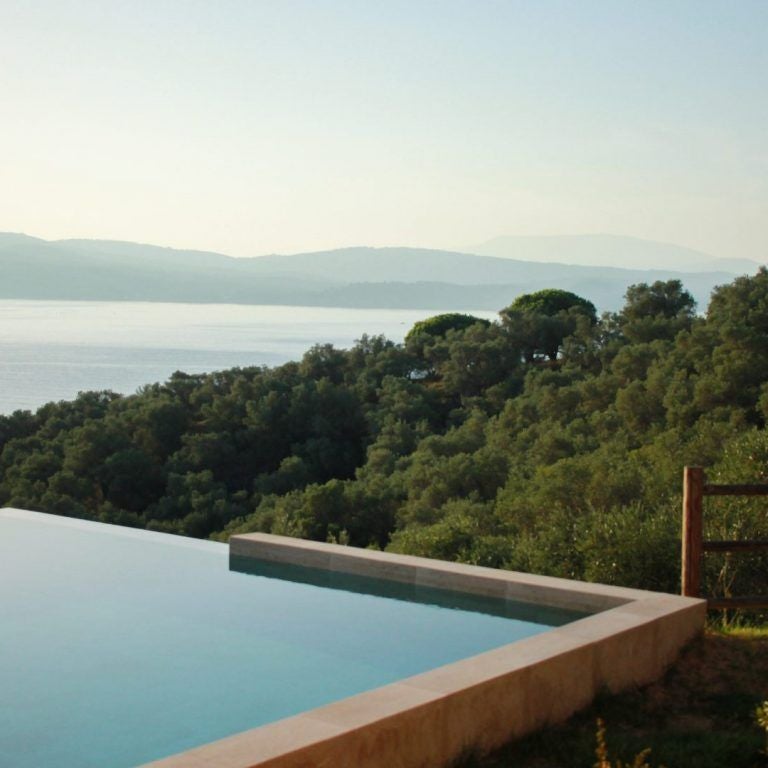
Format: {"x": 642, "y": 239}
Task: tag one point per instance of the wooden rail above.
{"x": 694, "y": 545}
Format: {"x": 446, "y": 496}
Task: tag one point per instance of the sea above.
{"x": 51, "y": 350}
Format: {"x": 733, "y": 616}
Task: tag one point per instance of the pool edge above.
{"x": 482, "y": 701}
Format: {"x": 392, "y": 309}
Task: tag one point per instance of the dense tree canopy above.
{"x": 540, "y": 322}
{"x": 552, "y": 301}
{"x": 549, "y": 441}
{"x": 439, "y": 325}
{"x": 659, "y": 310}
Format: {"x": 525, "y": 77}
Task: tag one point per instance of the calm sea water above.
{"x": 120, "y": 646}
{"x": 51, "y": 350}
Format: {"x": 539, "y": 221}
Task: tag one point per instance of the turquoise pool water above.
{"x": 118, "y": 646}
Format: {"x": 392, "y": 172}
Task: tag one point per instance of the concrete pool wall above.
{"x": 480, "y": 702}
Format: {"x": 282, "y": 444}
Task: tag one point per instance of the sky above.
{"x": 251, "y": 127}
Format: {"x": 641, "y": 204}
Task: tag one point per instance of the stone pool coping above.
{"x": 479, "y": 702}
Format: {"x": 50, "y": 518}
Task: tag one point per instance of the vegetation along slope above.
{"x": 550, "y": 440}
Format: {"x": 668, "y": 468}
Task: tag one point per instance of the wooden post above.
{"x": 693, "y": 530}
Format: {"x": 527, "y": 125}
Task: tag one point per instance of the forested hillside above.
{"x": 549, "y": 441}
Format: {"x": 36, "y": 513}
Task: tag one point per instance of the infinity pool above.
{"x": 119, "y": 646}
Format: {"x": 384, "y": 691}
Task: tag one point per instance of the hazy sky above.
{"x": 250, "y": 127}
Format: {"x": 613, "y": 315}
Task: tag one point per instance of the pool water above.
{"x": 120, "y": 646}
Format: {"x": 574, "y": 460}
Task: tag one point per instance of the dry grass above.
{"x": 700, "y": 715}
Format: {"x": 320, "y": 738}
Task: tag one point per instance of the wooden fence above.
{"x": 694, "y": 545}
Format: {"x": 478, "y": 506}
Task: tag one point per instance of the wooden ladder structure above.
{"x": 694, "y": 545}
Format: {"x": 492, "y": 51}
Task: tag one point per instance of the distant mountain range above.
{"x": 609, "y": 251}
{"x": 106, "y": 270}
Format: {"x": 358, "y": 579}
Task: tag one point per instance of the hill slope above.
{"x": 348, "y": 277}
{"x": 609, "y": 251}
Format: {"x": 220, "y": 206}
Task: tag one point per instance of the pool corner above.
{"x": 630, "y": 639}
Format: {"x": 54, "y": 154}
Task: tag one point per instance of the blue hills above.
{"x": 359, "y": 277}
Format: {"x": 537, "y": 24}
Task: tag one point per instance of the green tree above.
{"x": 439, "y": 325}
{"x": 426, "y": 332}
{"x": 736, "y": 336}
{"x": 657, "y": 311}
{"x": 538, "y": 323}
{"x": 551, "y": 302}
